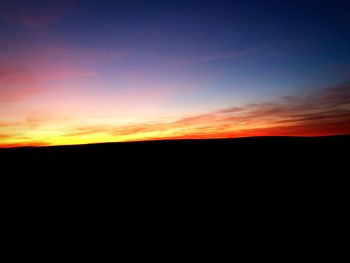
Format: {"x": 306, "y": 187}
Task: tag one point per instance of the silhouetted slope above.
{"x": 229, "y": 153}
{"x": 283, "y": 177}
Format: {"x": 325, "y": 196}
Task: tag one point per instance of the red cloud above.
{"x": 11, "y": 95}
{"x": 33, "y": 15}
{"x": 322, "y": 113}
{"x": 326, "y": 112}
{"x": 213, "y": 57}
{"x": 23, "y": 144}
{"x": 17, "y": 76}
{"x": 51, "y": 63}
{"x": 37, "y": 22}
{"x": 4, "y": 72}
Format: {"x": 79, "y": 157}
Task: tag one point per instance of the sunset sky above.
{"x": 86, "y": 71}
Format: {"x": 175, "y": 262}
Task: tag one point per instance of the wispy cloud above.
{"x": 18, "y": 76}
{"x": 32, "y": 71}
{"x": 23, "y": 144}
{"x": 15, "y": 95}
{"x": 37, "y": 22}
{"x": 37, "y": 16}
{"x": 213, "y": 57}
{"x": 18, "y": 84}
{"x": 322, "y": 112}
{"x": 4, "y": 72}
{"x": 53, "y": 62}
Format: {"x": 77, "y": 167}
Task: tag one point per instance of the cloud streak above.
{"x": 324, "y": 112}
{"x": 15, "y": 95}
{"x": 213, "y": 57}
{"x": 13, "y": 76}
{"x": 35, "y": 16}
{"x": 320, "y": 113}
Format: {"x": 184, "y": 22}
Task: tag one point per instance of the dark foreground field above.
{"x": 276, "y": 178}
{"x": 264, "y": 153}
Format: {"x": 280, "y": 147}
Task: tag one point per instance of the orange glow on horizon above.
{"x": 139, "y": 132}
{"x": 322, "y": 113}
{"x": 83, "y": 72}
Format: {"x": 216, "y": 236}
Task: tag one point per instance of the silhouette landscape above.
{"x": 207, "y": 83}
{"x": 168, "y": 154}
{"x": 190, "y": 117}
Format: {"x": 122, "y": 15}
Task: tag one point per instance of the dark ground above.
{"x": 218, "y": 155}
{"x": 247, "y": 168}
{"x": 292, "y": 186}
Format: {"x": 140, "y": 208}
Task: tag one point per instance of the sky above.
{"x": 88, "y": 71}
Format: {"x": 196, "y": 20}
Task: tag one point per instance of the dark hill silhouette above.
{"x": 280, "y": 177}
{"x": 229, "y": 153}
{"x": 284, "y": 166}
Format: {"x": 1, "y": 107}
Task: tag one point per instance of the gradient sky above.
{"x": 85, "y": 71}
